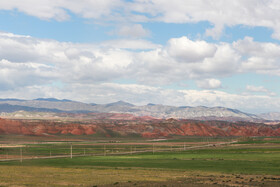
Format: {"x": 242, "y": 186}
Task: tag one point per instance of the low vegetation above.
{"x": 236, "y": 164}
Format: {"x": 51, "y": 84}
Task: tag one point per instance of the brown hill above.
{"x": 153, "y": 128}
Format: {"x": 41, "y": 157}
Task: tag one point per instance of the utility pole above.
{"x": 71, "y": 156}
{"x": 20, "y": 154}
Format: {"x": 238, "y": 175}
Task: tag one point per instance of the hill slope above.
{"x": 136, "y": 127}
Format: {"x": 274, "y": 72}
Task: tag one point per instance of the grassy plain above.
{"x": 249, "y": 162}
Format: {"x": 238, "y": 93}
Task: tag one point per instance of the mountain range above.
{"x": 10, "y": 107}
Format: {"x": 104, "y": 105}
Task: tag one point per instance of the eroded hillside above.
{"x": 146, "y": 127}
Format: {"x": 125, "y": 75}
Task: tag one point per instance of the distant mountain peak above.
{"x": 12, "y": 99}
{"x": 120, "y": 103}
{"x": 201, "y": 106}
{"x": 270, "y": 116}
{"x": 52, "y": 100}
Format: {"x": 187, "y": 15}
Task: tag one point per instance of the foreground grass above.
{"x": 211, "y": 165}
{"x": 53, "y": 176}
{"x": 224, "y": 160}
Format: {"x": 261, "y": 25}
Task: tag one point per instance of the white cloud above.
{"x": 72, "y": 62}
{"x": 114, "y": 59}
{"x": 50, "y": 9}
{"x": 259, "y": 89}
{"x": 14, "y": 75}
{"x": 165, "y": 65}
{"x": 225, "y": 62}
{"x": 220, "y": 13}
{"x": 248, "y": 46}
{"x": 186, "y": 50}
{"x": 141, "y": 60}
{"x": 252, "y": 88}
{"x": 86, "y": 72}
{"x": 215, "y": 32}
{"x": 209, "y": 83}
{"x": 250, "y": 102}
{"x": 130, "y": 44}
{"x": 260, "y": 57}
{"x": 45, "y": 9}
{"x": 133, "y": 31}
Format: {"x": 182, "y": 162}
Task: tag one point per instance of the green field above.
{"x": 250, "y": 162}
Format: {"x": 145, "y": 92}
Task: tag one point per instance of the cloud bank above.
{"x": 219, "y": 13}
{"x": 97, "y": 72}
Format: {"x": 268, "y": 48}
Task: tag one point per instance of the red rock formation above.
{"x": 149, "y": 135}
{"x": 89, "y": 130}
{"x": 145, "y": 128}
{"x": 26, "y": 131}
{"x": 77, "y": 131}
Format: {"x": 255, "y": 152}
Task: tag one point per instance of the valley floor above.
{"x": 244, "y": 163}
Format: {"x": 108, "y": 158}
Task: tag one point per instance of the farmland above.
{"x": 197, "y": 161}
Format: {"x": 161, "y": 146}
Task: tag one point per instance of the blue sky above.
{"x": 211, "y": 53}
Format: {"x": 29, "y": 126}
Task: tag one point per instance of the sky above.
{"x": 180, "y": 53}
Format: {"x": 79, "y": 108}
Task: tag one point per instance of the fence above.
{"x": 74, "y": 149}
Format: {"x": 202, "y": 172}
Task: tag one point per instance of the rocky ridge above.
{"x": 153, "y": 110}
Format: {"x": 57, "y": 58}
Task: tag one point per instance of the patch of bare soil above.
{"x": 234, "y": 180}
